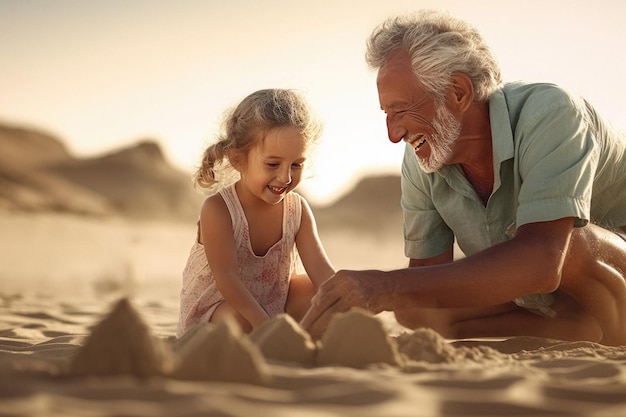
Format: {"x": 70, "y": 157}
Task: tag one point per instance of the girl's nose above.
{"x": 285, "y": 176}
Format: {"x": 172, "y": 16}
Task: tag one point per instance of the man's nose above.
{"x": 395, "y": 131}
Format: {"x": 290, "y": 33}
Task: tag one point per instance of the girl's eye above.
{"x": 272, "y": 165}
{"x": 300, "y": 165}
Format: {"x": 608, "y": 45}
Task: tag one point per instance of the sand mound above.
{"x": 220, "y": 353}
{"x": 426, "y": 345}
{"x": 121, "y": 344}
{"x": 283, "y": 339}
{"x": 357, "y": 339}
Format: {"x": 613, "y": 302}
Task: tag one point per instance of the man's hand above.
{"x": 346, "y": 289}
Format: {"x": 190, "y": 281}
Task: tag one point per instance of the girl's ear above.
{"x": 236, "y": 159}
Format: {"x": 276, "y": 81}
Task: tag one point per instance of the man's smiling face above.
{"x": 414, "y": 115}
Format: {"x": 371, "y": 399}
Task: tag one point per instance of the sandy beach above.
{"x": 88, "y": 312}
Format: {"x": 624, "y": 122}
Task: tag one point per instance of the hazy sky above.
{"x": 102, "y": 74}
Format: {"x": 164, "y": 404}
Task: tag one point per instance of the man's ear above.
{"x": 461, "y": 91}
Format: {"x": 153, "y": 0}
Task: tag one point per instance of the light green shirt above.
{"x": 553, "y": 157}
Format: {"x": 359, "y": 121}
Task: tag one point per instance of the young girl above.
{"x": 251, "y": 232}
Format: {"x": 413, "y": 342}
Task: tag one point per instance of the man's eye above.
{"x": 394, "y": 114}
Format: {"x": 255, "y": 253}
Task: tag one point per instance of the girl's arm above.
{"x": 312, "y": 253}
{"x": 216, "y": 234}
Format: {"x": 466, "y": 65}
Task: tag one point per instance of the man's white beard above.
{"x": 447, "y": 131}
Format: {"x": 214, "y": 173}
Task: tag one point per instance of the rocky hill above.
{"x": 373, "y": 204}
{"x": 38, "y": 174}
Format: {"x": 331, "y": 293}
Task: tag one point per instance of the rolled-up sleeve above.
{"x": 557, "y": 162}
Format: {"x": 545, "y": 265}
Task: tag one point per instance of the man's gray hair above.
{"x": 439, "y": 45}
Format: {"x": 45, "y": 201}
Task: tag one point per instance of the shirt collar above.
{"x": 501, "y": 133}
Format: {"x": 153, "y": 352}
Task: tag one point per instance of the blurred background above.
{"x": 106, "y": 107}
{"x": 103, "y": 74}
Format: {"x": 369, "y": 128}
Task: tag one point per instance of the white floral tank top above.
{"x": 266, "y": 277}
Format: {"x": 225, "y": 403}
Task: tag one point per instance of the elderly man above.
{"x": 528, "y": 178}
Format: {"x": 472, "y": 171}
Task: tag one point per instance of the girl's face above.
{"x": 274, "y": 167}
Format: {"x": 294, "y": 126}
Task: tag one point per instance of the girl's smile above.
{"x": 277, "y": 190}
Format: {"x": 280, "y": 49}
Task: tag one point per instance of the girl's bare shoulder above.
{"x": 214, "y": 206}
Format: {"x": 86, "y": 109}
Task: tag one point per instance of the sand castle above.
{"x": 283, "y": 340}
{"x": 122, "y": 344}
{"x": 220, "y": 353}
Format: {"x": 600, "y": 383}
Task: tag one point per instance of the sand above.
{"x": 74, "y": 342}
